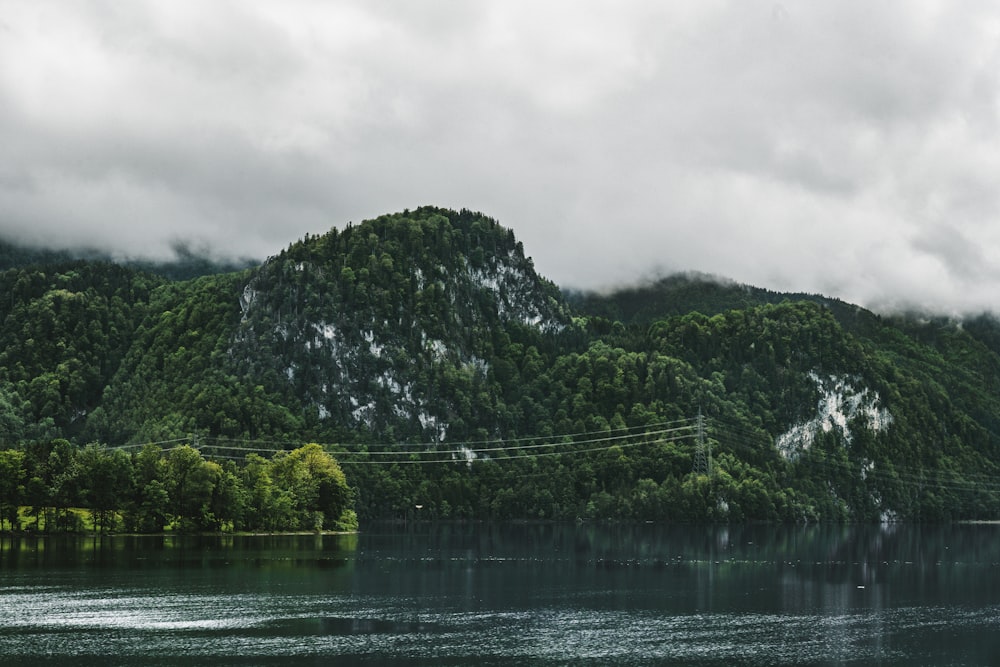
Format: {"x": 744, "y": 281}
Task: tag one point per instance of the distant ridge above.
{"x": 187, "y": 263}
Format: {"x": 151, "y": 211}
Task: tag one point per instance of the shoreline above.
{"x": 28, "y": 533}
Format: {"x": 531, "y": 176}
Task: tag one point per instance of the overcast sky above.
{"x": 846, "y": 148}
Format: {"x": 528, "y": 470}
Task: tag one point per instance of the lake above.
{"x": 453, "y": 594}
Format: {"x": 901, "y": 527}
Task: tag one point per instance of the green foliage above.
{"x": 12, "y": 476}
{"x": 63, "y": 333}
{"x": 153, "y": 490}
{"x": 463, "y": 385}
{"x": 317, "y": 490}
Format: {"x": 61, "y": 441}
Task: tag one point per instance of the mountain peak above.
{"x": 365, "y": 321}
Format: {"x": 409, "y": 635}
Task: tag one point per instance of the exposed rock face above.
{"x": 841, "y": 404}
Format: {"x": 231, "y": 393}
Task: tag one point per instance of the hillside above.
{"x": 443, "y": 372}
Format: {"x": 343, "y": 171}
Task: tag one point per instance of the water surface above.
{"x": 509, "y": 595}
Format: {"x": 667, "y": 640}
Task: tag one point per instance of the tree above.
{"x": 228, "y": 503}
{"x": 190, "y": 483}
{"x": 105, "y": 481}
{"x": 146, "y": 507}
{"x": 11, "y": 487}
{"x": 64, "y": 485}
{"x": 260, "y": 511}
{"x": 151, "y": 516}
{"x": 316, "y": 485}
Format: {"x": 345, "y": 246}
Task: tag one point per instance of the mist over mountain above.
{"x": 185, "y": 262}
{"x": 430, "y": 358}
{"x": 839, "y": 148}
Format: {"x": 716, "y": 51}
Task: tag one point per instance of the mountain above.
{"x": 395, "y": 324}
{"x": 443, "y": 372}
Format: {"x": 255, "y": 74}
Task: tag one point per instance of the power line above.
{"x": 518, "y": 453}
{"x": 888, "y": 474}
{"x": 472, "y": 444}
{"x": 140, "y": 445}
{"x": 460, "y": 447}
{"x": 501, "y": 452}
{"x": 702, "y": 431}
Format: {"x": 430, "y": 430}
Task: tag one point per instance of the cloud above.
{"x": 844, "y": 148}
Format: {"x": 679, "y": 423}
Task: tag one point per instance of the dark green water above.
{"x": 509, "y": 595}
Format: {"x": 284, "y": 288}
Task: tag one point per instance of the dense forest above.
{"x": 446, "y": 379}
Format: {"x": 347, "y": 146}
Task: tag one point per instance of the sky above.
{"x": 848, "y": 148}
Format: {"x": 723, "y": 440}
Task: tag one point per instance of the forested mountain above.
{"x": 450, "y": 380}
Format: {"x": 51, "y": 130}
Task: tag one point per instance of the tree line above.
{"x": 42, "y": 487}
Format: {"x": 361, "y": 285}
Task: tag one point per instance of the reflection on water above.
{"x": 531, "y": 594}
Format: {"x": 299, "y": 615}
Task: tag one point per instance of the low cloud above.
{"x": 844, "y": 148}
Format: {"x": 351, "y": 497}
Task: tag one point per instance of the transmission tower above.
{"x": 703, "y": 450}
